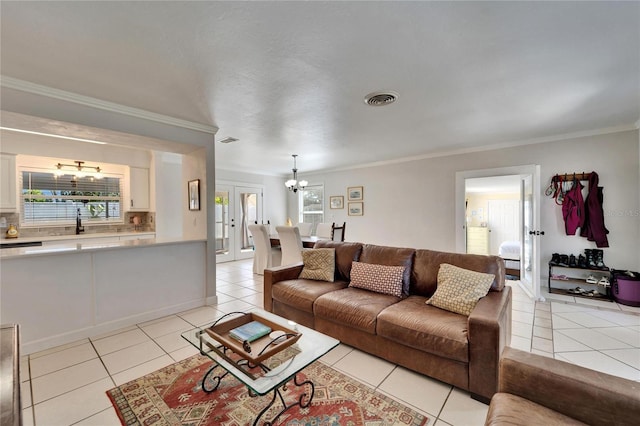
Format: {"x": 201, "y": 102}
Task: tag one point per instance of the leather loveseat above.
{"x": 456, "y": 349}
{"x": 536, "y": 390}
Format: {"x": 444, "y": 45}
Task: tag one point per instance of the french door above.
{"x": 236, "y": 207}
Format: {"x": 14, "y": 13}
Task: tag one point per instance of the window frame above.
{"x": 301, "y": 211}
{"x": 100, "y": 221}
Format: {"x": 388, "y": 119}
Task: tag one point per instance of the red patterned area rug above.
{"x": 173, "y": 396}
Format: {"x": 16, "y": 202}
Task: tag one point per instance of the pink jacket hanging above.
{"x": 573, "y": 209}
{"x": 594, "y": 228}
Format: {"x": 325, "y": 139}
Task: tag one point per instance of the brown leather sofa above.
{"x": 459, "y": 350}
{"x": 536, "y": 390}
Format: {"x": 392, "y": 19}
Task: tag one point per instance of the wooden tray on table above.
{"x": 262, "y": 348}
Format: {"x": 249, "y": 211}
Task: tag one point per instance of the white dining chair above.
{"x": 264, "y": 255}
{"x": 290, "y": 243}
{"x": 324, "y": 231}
{"x": 305, "y": 229}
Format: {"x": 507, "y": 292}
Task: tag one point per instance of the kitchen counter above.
{"x": 83, "y": 236}
{"x": 83, "y": 246}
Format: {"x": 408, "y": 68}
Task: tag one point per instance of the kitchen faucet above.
{"x": 79, "y": 227}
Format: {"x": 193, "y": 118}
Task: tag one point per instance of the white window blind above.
{"x": 47, "y": 199}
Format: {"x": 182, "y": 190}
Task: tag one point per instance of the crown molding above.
{"x": 533, "y": 141}
{"x": 38, "y": 89}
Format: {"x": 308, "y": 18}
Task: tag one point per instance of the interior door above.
{"x": 530, "y": 250}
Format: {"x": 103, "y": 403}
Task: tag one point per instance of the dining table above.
{"x": 307, "y": 242}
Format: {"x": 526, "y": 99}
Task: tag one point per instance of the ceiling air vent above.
{"x": 380, "y": 98}
{"x": 228, "y": 140}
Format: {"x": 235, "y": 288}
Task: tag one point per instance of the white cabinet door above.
{"x": 139, "y": 189}
{"x": 8, "y": 199}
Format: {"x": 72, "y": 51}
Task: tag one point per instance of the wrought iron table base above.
{"x": 303, "y": 402}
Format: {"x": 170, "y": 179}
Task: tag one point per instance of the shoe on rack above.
{"x": 604, "y": 281}
{"x": 564, "y": 260}
{"x": 559, "y": 277}
{"x": 577, "y": 290}
{"x": 592, "y": 293}
{"x": 572, "y": 261}
{"x": 582, "y": 261}
{"x": 592, "y": 280}
{"x": 555, "y": 259}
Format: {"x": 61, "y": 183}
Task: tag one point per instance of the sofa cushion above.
{"x": 353, "y": 307}
{"x": 390, "y": 256}
{"x": 379, "y": 278}
{"x": 346, "y": 253}
{"x": 424, "y": 277}
{"x": 319, "y": 264}
{"x": 460, "y": 289}
{"x": 302, "y": 293}
{"x": 508, "y": 409}
{"x": 413, "y": 323}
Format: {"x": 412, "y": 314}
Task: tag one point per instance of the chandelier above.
{"x": 78, "y": 170}
{"x": 294, "y": 184}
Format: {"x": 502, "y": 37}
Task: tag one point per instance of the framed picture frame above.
{"x": 355, "y": 193}
{"x": 336, "y": 202}
{"x": 356, "y": 209}
{"x": 194, "y": 194}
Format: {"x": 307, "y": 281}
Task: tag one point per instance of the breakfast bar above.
{"x": 63, "y": 292}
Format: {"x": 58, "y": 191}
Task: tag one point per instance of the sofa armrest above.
{"x": 586, "y": 395}
{"x": 274, "y": 275}
{"x": 489, "y": 332}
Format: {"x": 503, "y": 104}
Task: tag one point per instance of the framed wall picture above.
{"x": 356, "y": 209}
{"x": 355, "y": 193}
{"x": 194, "y": 194}
{"x": 336, "y": 202}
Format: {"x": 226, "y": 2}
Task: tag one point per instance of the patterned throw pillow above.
{"x": 379, "y": 278}
{"x": 319, "y": 264}
{"x": 460, "y": 289}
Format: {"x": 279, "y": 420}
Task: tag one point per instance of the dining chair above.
{"x": 305, "y": 229}
{"x": 264, "y": 255}
{"x": 290, "y": 243}
{"x": 338, "y": 232}
{"x": 324, "y": 231}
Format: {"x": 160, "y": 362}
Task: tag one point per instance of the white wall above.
{"x": 412, "y": 204}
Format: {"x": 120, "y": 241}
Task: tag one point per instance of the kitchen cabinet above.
{"x": 8, "y": 196}
{"x": 138, "y": 189}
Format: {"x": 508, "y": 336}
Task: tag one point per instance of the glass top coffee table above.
{"x": 310, "y": 346}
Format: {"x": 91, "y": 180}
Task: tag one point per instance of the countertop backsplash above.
{"x": 147, "y": 223}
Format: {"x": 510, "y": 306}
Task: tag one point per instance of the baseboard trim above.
{"x": 105, "y": 328}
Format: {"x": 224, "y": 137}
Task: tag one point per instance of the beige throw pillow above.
{"x": 460, "y": 289}
{"x": 379, "y": 278}
{"x": 319, "y": 264}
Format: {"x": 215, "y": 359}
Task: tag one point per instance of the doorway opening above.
{"x": 497, "y": 214}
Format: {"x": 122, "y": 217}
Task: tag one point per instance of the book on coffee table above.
{"x": 250, "y": 331}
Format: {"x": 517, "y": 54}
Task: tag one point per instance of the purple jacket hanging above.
{"x": 573, "y": 209}
{"x": 594, "y": 228}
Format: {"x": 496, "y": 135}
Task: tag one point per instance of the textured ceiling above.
{"x": 290, "y": 77}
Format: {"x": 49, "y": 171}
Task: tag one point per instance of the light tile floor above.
{"x": 66, "y": 385}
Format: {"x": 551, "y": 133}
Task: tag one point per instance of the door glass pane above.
{"x": 222, "y": 222}
{"x": 248, "y": 215}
